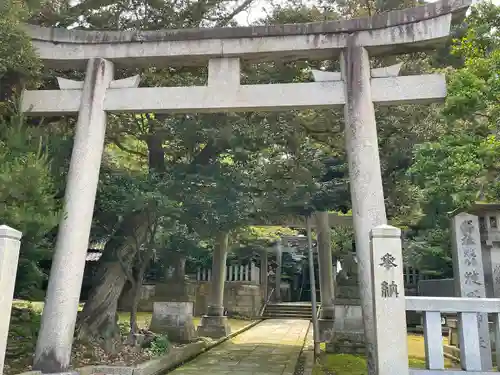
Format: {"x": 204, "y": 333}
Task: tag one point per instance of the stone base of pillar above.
{"x": 326, "y": 330}
{"x": 347, "y": 343}
{"x": 214, "y": 327}
{"x": 327, "y": 312}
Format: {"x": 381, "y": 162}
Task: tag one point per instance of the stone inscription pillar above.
{"x": 469, "y": 275}
{"x": 367, "y": 195}
{"x": 325, "y": 266}
{"x": 215, "y": 324}
{"x": 53, "y": 349}
{"x": 9, "y": 257}
{"x": 389, "y": 303}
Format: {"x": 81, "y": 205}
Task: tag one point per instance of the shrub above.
{"x": 160, "y": 345}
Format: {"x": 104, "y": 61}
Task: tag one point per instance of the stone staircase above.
{"x": 288, "y": 310}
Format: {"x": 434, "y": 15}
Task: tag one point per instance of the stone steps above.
{"x": 288, "y": 310}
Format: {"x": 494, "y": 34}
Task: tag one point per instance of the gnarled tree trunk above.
{"x": 98, "y": 318}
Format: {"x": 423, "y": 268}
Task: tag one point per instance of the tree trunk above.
{"x": 137, "y": 294}
{"x": 133, "y": 311}
{"x": 98, "y": 318}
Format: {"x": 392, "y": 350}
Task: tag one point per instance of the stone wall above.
{"x": 240, "y": 298}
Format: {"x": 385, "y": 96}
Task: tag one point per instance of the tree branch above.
{"x": 120, "y": 145}
{"x": 234, "y": 13}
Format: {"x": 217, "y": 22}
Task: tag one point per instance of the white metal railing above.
{"x": 247, "y": 273}
{"x": 467, "y": 310}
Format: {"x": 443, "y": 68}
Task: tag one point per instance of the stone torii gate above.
{"x": 222, "y": 49}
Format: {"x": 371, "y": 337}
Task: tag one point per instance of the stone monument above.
{"x": 469, "y": 275}
{"x": 489, "y": 222}
{"x": 347, "y": 279}
{"x": 349, "y": 335}
{"x": 176, "y": 286}
{"x": 175, "y": 319}
{"x": 356, "y": 89}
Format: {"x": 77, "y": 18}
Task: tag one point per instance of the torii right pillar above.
{"x": 361, "y": 84}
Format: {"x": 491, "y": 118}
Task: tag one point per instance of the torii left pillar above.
{"x": 215, "y": 324}
{"x": 326, "y": 279}
{"x": 53, "y": 348}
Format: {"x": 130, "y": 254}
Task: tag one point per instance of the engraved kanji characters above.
{"x": 467, "y": 229}
{"x": 470, "y": 257}
{"x": 472, "y": 277}
{"x": 388, "y": 261}
{"x": 473, "y": 294}
{"x": 389, "y": 290}
{"x": 496, "y": 274}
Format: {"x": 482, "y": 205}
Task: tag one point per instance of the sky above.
{"x": 259, "y": 7}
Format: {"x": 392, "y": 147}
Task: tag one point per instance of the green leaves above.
{"x": 27, "y": 197}
{"x": 18, "y": 61}
{"x": 474, "y": 90}
{"x": 461, "y": 166}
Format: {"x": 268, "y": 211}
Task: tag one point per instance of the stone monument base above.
{"x": 349, "y": 334}
{"x": 347, "y": 342}
{"x": 182, "y": 334}
{"x": 175, "y": 319}
{"x": 214, "y": 327}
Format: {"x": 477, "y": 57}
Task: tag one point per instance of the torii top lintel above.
{"x": 398, "y": 31}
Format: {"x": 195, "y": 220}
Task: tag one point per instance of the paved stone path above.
{"x": 272, "y": 347}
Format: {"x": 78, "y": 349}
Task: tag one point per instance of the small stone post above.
{"x": 389, "y": 305}
{"x": 9, "y": 257}
{"x": 279, "y": 257}
{"x": 367, "y": 194}
{"x": 53, "y": 348}
{"x": 469, "y": 275}
{"x": 263, "y": 274}
{"x": 215, "y": 324}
